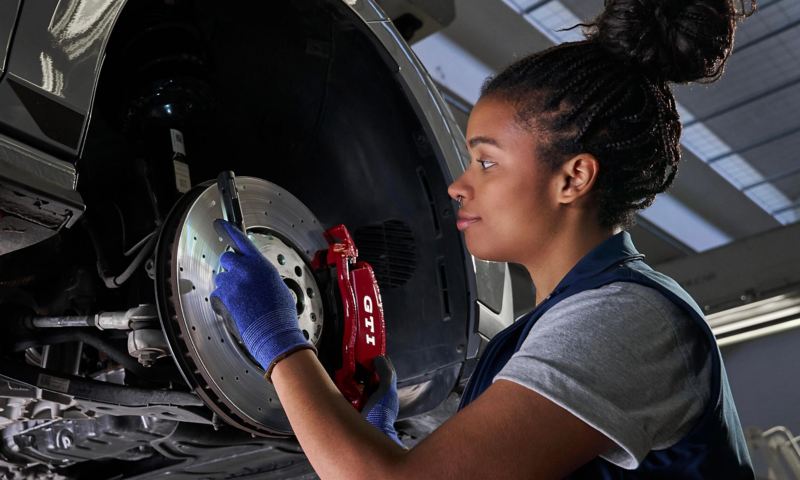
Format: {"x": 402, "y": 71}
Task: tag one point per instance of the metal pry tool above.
{"x": 231, "y": 208}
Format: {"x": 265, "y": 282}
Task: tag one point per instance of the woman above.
{"x": 615, "y": 373}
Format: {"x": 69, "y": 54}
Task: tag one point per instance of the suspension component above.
{"x": 146, "y": 341}
{"x": 132, "y": 319}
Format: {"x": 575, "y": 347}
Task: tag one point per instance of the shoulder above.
{"x": 616, "y": 296}
{"x": 622, "y": 308}
{"x": 620, "y": 322}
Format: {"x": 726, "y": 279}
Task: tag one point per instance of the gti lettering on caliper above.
{"x": 369, "y": 322}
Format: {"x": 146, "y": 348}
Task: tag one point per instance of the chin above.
{"x": 487, "y": 252}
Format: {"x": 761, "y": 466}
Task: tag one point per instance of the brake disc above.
{"x": 207, "y": 349}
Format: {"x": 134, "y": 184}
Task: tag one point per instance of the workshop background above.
{"x": 116, "y": 117}
{"x": 728, "y": 229}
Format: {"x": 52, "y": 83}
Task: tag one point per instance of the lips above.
{"x": 465, "y": 220}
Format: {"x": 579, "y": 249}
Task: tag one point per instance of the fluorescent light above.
{"x": 707, "y": 146}
{"x": 763, "y": 332}
{"x": 670, "y": 215}
{"x": 758, "y": 319}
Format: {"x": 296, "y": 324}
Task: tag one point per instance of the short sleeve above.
{"x": 625, "y": 360}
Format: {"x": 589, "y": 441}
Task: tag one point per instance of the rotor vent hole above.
{"x": 310, "y": 292}
{"x": 297, "y": 293}
{"x": 298, "y": 271}
{"x": 305, "y": 334}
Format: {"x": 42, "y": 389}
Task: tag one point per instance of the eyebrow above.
{"x": 475, "y": 141}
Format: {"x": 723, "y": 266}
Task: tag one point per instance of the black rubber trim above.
{"x": 58, "y": 122}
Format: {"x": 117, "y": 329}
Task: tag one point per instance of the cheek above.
{"x": 500, "y": 236}
{"x": 521, "y": 223}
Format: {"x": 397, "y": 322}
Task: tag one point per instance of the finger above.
{"x": 230, "y": 261}
{"x": 236, "y": 238}
{"x": 388, "y": 380}
{"x": 219, "y": 307}
{"x": 222, "y": 280}
{"x": 385, "y": 370}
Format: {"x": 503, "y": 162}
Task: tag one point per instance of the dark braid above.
{"x": 609, "y": 95}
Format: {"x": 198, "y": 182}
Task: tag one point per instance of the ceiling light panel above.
{"x": 772, "y": 16}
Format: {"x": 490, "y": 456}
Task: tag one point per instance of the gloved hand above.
{"x": 382, "y": 406}
{"x": 252, "y": 293}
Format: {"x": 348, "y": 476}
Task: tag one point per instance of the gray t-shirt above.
{"x": 625, "y": 360}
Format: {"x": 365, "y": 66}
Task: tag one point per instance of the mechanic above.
{"x": 614, "y": 374}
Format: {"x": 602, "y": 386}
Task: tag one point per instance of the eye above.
{"x": 485, "y": 164}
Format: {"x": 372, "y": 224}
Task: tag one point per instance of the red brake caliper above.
{"x": 364, "y": 330}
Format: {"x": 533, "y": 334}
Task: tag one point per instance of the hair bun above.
{"x": 678, "y": 40}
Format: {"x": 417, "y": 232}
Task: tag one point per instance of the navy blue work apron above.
{"x": 713, "y": 449}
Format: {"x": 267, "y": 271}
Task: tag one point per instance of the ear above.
{"x": 577, "y": 177}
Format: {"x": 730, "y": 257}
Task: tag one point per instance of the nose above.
{"x": 459, "y": 188}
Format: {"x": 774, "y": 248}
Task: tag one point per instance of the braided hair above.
{"x": 609, "y": 95}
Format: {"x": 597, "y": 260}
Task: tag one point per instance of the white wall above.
{"x": 765, "y": 380}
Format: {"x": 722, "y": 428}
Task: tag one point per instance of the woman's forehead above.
{"x": 494, "y": 122}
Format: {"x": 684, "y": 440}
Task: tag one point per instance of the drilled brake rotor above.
{"x": 208, "y": 351}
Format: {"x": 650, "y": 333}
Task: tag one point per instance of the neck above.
{"x": 552, "y": 263}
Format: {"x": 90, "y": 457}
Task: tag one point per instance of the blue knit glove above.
{"x": 382, "y": 406}
{"x": 251, "y": 292}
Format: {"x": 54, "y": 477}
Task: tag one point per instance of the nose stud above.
{"x": 460, "y": 200}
